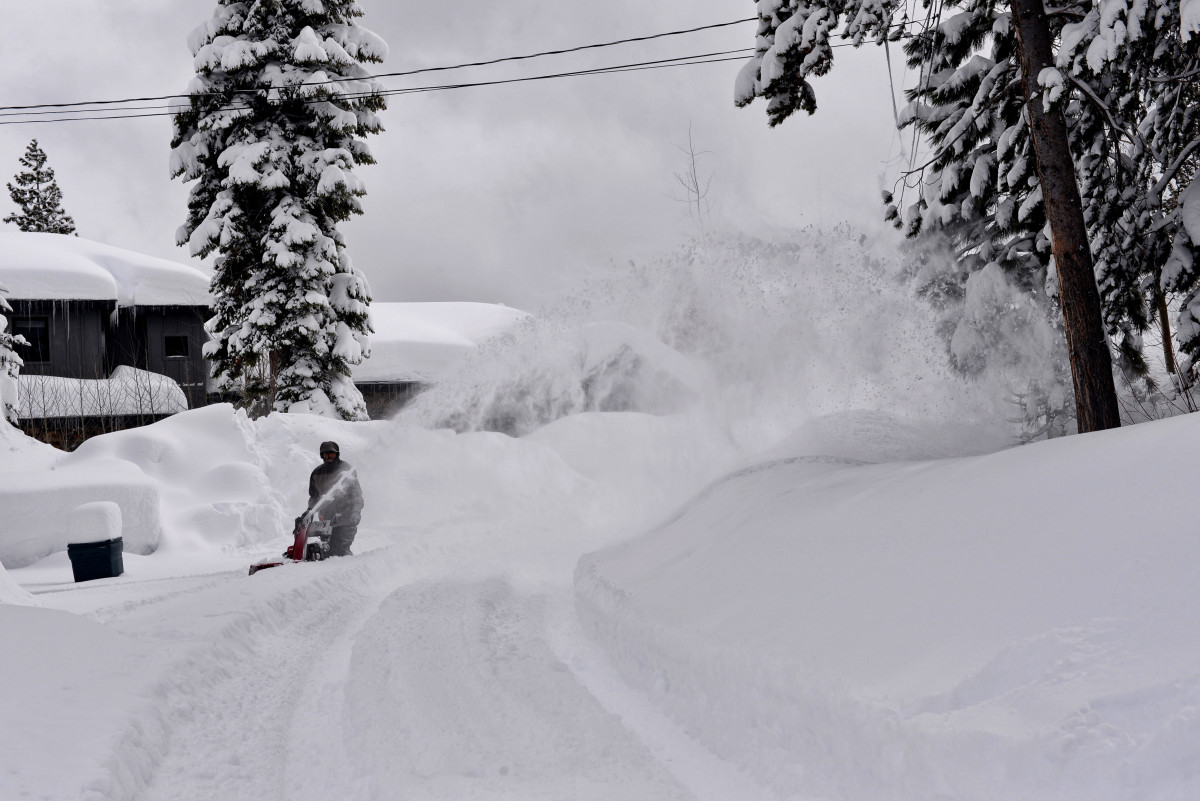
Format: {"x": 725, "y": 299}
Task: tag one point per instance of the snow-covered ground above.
{"x": 701, "y": 604}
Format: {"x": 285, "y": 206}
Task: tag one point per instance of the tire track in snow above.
{"x": 709, "y": 777}
{"x": 341, "y": 680}
{"x": 454, "y": 693}
{"x": 95, "y": 601}
{"x": 217, "y": 724}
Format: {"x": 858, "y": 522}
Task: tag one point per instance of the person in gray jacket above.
{"x": 334, "y": 493}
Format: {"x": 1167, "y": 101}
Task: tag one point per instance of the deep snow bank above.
{"x": 1020, "y": 624}
{"x": 226, "y": 481}
{"x": 38, "y": 505}
{"x": 214, "y": 481}
{"x": 40, "y": 486}
{"x": 207, "y": 479}
{"x": 18, "y": 453}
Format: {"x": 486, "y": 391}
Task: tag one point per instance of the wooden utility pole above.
{"x": 1091, "y": 364}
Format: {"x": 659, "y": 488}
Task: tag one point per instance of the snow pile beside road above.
{"x": 1023, "y": 620}
{"x": 206, "y": 480}
{"x": 211, "y": 481}
{"x": 226, "y": 482}
{"x": 37, "y": 497}
{"x": 37, "y": 506}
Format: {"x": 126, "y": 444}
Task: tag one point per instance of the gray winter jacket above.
{"x": 333, "y": 491}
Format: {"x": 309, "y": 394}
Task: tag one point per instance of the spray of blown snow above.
{"x": 757, "y": 337}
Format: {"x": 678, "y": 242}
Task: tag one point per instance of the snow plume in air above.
{"x": 758, "y": 335}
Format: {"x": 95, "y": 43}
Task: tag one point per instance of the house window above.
{"x": 36, "y": 331}
{"x": 175, "y": 347}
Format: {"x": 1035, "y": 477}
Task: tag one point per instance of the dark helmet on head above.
{"x": 330, "y": 447}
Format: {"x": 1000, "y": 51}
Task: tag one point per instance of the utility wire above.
{"x": 679, "y": 61}
{"x": 176, "y": 108}
{"x": 398, "y": 74}
{"x": 82, "y": 114}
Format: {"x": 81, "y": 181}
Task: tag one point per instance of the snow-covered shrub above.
{"x": 10, "y": 365}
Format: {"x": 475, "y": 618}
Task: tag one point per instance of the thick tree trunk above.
{"x": 1091, "y": 364}
{"x": 274, "y": 364}
{"x": 1164, "y": 325}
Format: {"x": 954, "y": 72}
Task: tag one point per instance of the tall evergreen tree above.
{"x": 1117, "y": 78}
{"x": 275, "y": 125}
{"x": 37, "y": 195}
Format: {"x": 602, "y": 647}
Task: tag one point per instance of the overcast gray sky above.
{"x": 500, "y": 194}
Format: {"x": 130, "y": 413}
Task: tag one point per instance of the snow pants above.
{"x": 340, "y": 539}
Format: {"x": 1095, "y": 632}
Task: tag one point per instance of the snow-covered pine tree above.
{"x": 38, "y": 197}
{"x": 1129, "y": 70}
{"x": 1174, "y": 129}
{"x": 1119, "y": 76}
{"x": 10, "y": 364}
{"x": 275, "y": 125}
{"x": 975, "y": 196}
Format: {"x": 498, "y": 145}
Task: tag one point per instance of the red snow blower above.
{"x": 311, "y": 544}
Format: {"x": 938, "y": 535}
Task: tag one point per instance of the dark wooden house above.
{"x": 115, "y": 338}
{"x": 86, "y": 309}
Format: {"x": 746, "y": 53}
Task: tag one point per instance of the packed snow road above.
{"x": 439, "y": 662}
{"x": 805, "y": 627}
{"x": 365, "y": 678}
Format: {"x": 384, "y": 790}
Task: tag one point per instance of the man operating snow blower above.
{"x": 335, "y": 495}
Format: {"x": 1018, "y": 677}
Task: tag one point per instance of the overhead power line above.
{"x": 405, "y": 73}
{"x": 679, "y": 61}
{"x": 76, "y": 112}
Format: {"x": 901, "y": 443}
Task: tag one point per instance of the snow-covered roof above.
{"x": 36, "y": 266}
{"x": 419, "y": 341}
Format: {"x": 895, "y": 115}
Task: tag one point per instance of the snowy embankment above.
{"x": 40, "y": 487}
{"x": 201, "y": 481}
{"x": 1016, "y": 625}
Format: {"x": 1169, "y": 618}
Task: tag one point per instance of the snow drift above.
{"x": 38, "y": 506}
{"x": 928, "y": 629}
{"x": 41, "y": 486}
